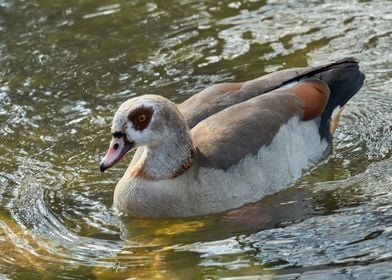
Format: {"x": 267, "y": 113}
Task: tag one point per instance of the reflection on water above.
{"x": 66, "y": 67}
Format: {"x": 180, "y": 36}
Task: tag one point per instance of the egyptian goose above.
{"x": 231, "y": 144}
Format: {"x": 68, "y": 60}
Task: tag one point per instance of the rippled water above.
{"x": 65, "y": 66}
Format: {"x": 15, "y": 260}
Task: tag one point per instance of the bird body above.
{"x": 229, "y": 145}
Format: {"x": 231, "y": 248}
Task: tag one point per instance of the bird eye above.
{"x": 141, "y": 118}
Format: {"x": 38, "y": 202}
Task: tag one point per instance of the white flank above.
{"x": 334, "y": 120}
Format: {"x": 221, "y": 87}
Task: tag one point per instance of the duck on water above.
{"x": 229, "y": 145}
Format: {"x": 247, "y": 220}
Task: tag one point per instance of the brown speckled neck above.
{"x": 184, "y": 166}
{"x": 140, "y": 171}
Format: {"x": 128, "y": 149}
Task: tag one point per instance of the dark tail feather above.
{"x": 344, "y": 80}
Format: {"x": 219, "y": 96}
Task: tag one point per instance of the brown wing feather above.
{"x": 314, "y": 96}
{"x": 225, "y": 138}
{"x": 218, "y": 97}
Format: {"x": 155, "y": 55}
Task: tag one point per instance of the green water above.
{"x": 66, "y": 66}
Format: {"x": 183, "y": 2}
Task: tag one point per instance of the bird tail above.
{"x": 344, "y": 80}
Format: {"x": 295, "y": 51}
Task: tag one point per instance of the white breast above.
{"x": 295, "y": 148}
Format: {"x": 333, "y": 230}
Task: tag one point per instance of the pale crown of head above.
{"x": 163, "y": 120}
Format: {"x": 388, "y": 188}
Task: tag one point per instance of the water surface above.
{"x": 66, "y": 66}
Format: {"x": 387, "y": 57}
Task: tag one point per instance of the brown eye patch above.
{"x": 141, "y": 117}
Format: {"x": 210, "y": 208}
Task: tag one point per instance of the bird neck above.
{"x": 167, "y": 160}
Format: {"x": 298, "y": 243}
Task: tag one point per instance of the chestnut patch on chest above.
{"x": 141, "y": 117}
